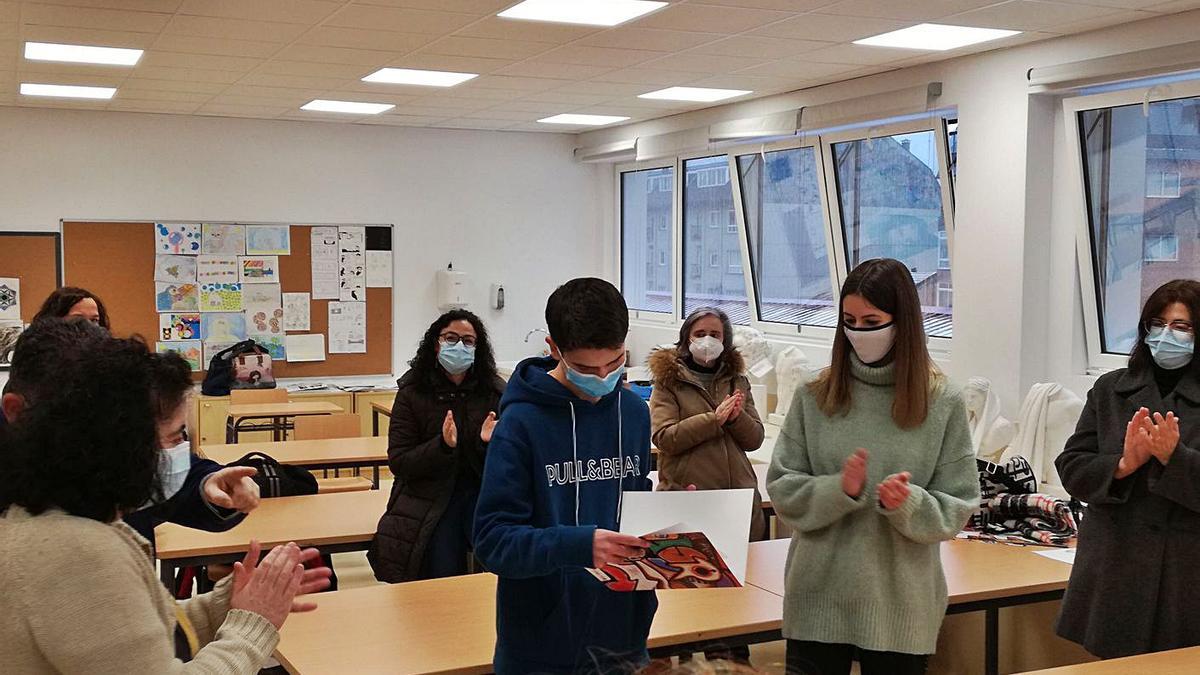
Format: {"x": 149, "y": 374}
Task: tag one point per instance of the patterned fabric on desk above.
{"x": 1011, "y": 506}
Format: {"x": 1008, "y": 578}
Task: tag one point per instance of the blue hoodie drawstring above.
{"x": 575, "y": 460}
{"x": 620, "y": 459}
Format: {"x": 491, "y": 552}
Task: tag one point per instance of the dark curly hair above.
{"x": 63, "y": 299}
{"x": 89, "y": 444}
{"x": 425, "y": 364}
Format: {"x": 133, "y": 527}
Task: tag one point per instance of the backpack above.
{"x": 278, "y": 480}
{"x": 245, "y": 365}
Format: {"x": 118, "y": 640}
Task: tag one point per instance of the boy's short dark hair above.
{"x": 587, "y": 313}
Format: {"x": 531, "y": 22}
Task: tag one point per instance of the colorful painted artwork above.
{"x": 223, "y": 327}
{"x": 175, "y": 327}
{"x": 184, "y": 297}
{"x": 220, "y": 297}
{"x": 258, "y": 269}
{"x": 217, "y": 269}
{"x": 274, "y": 344}
{"x": 268, "y": 240}
{"x": 177, "y": 238}
{"x": 265, "y": 322}
{"x": 223, "y": 239}
{"x": 673, "y": 561}
{"x": 212, "y": 348}
{"x": 188, "y": 349}
{"x": 175, "y": 268}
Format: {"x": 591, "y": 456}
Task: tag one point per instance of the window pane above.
{"x": 890, "y": 197}
{"x": 786, "y": 226}
{"x": 646, "y": 249}
{"x": 1141, "y": 176}
{"x": 707, "y": 211}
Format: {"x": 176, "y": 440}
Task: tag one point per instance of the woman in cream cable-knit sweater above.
{"x": 79, "y": 590}
{"x": 873, "y": 467}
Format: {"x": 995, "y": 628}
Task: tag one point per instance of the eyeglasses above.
{"x": 1178, "y": 324}
{"x": 455, "y": 338}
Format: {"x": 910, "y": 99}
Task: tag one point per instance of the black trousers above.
{"x": 819, "y": 658}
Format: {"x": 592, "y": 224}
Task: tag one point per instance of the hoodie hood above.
{"x": 668, "y": 367}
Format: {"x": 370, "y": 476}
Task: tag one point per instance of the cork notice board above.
{"x": 32, "y": 257}
{"x": 116, "y": 262}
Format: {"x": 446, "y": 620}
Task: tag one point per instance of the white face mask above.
{"x": 871, "y": 344}
{"x": 173, "y": 467}
{"x": 707, "y": 349}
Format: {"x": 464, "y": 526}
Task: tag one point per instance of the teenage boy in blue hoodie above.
{"x": 570, "y": 440}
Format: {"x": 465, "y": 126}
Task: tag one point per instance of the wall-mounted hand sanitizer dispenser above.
{"x": 451, "y": 289}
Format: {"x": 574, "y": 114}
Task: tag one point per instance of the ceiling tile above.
{"x": 603, "y": 88}
{"x": 649, "y": 76}
{"x": 107, "y": 19}
{"x": 1176, "y": 6}
{"x": 597, "y": 56}
{"x": 175, "y": 85}
{"x": 479, "y": 7}
{"x": 281, "y": 93}
{"x": 360, "y": 38}
{"x": 192, "y": 74}
{"x": 191, "y": 44}
{"x": 69, "y": 103}
{"x": 827, "y": 27}
{"x": 560, "y": 71}
{"x": 205, "y": 61}
{"x": 760, "y": 47}
{"x": 913, "y": 10}
{"x": 88, "y": 36}
{"x": 287, "y": 11}
{"x": 711, "y": 19}
{"x": 316, "y": 54}
{"x": 234, "y": 29}
{"x": 649, "y": 38}
{"x": 399, "y": 19}
{"x": 135, "y": 105}
{"x": 563, "y": 98}
{"x": 482, "y": 47}
{"x": 431, "y": 111}
{"x": 229, "y": 110}
{"x": 81, "y": 71}
{"x": 857, "y": 54}
{"x": 754, "y": 83}
{"x": 309, "y": 69}
{"x": 482, "y": 94}
{"x": 352, "y": 93}
{"x": 452, "y": 102}
{"x": 515, "y": 83}
{"x": 1151, "y": 5}
{"x": 9, "y": 31}
{"x": 533, "y": 108}
{"x": 784, "y": 5}
{"x": 140, "y": 93}
{"x": 481, "y": 125}
{"x": 1029, "y": 15}
{"x": 297, "y": 81}
{"x": 162, "y": 6}
{"x": 511, "y": 116}
{"x": 41, "y": 76}
{"x": 801, "y": 70}
{"x": 9, "y": 11}
{"x": 530, "y": 31}
{"x": 1105, "y": 21}
{"x": 705, "y": 63}
{"x": 456, "y": 64}
{"x": 391, "y": 119}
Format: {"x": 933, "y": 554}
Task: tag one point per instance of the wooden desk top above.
{"x": 311, "y": 520}
{"x": 1174, "y": 662}
{"x": 448, "y": 625}
{"x": 383, "y": 408}
{"x": 289, "y": 409}
{"x": 975, "y": 570}
{"x": 304, "y": 453}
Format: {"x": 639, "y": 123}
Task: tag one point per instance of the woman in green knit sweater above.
{"x": 873, "y": 468}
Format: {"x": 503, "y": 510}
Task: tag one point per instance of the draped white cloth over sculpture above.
{"x": 791, "y": 372}
{"x": 1048, "y": 417}
{"x": 991, "y": 432}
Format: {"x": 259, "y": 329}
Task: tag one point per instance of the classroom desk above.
{"x": 378, "y": 409}
{"x": 980, "y": 576}
{"x": 760, "y": 472}
{"x": 448, "y": 626}
{"x": 1174, "y": 662}
{"x": 329, "y": 453}
{"x": 332, "y": 522}
{"x": 278, "y": 413}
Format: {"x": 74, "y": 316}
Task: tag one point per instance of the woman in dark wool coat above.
{"x": 1135, "y": 460}
{"x": 442, "y": 421}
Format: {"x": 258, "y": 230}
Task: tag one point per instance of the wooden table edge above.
{"x": 266, "y": 544}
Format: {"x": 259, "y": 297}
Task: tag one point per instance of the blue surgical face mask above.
{"x": 456, "y": 358}
{"x": 594, "y": 385}
{"x": 1171, "y": 349}
{"x": 173, "y": 467}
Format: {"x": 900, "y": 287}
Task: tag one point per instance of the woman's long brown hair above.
{"x": 888, "y": 285}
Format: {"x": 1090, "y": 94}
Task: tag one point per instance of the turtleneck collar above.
{"x": 875, "y": 375}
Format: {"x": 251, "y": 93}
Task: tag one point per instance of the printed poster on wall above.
{"x": 379, "y": 269}
{"x": 258, "y": 269}
{"x": 307, "y": 347}
{"x": 223, "y": 327}
{"x": 223, "y": 239}
{"x": 176, "y": 327}
{"x": 347, "y": 328}
{"x": 217, "y": 269}
{"x": 352, "y": 264}
{"x": 177, "y": 238}
{"x": 296, "y": 307}
{"x": 176, "y": 297}
{"x": 220, "y": 297}
{"x": 188, "y": 349}
{"x": 10, "y": 299}
{"x": 175, "y": 268}
{"x": 324, "y": 256}
{"x": 268, "y": 240}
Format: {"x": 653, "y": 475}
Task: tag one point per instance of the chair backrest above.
{"x": 249, "y": 396}
{"x": 340, "y": 425}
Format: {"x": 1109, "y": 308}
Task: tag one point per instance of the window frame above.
{"x": 681, "y": 187}
{"x": 936, "y": 125}
{"x": 1099, "y": 360}
{"x": 676, "y": 264}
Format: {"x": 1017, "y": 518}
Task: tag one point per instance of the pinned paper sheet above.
{"x": 296, "y": 311}
{"x": 188, "y": 349}
{"x": 9, "y": 332}
{"x": 306, "y": 347}
{"x": 265, "y": 322}
{"x": 174, "y": 327}
{"x": 221, "y": 239}
{"x": 324, "y": 255}
{"x": 176, "y": 297}
{"x": 220, "y": 297}
{"x": 175, "y": 268}
{"x": 217, "y": 269}
{"x": 257, "y": 297}
{"x": 223, "y": 327}
{"x": 722, "y": 515}
{"x": 177, "y": 238}
{"x": 347, "y": 328}
{"x": 274, "y": 344}
{"x": 1066, "y": 555}
{"x": 352, "y": 264}
{"x": 10, "y": 299}
{"x": 258, "y": 269}
{"x": 268, "y": 240}
{"x": 212, "y": 348}
{"x": 379, "y": 269}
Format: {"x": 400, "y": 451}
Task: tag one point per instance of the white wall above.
{"x": 505, "y": 207}
{"x": 1018, "y": 318}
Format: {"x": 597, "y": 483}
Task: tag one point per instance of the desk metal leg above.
{"x": 166, "y": 572}
{"x": 277, "y": 428}
{"x": 375, "y": 477}
{"x": 374, "y": 422}
{"x": 991, "y": 641}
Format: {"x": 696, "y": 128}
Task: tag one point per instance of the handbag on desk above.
{"x": 245, "y": 365}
